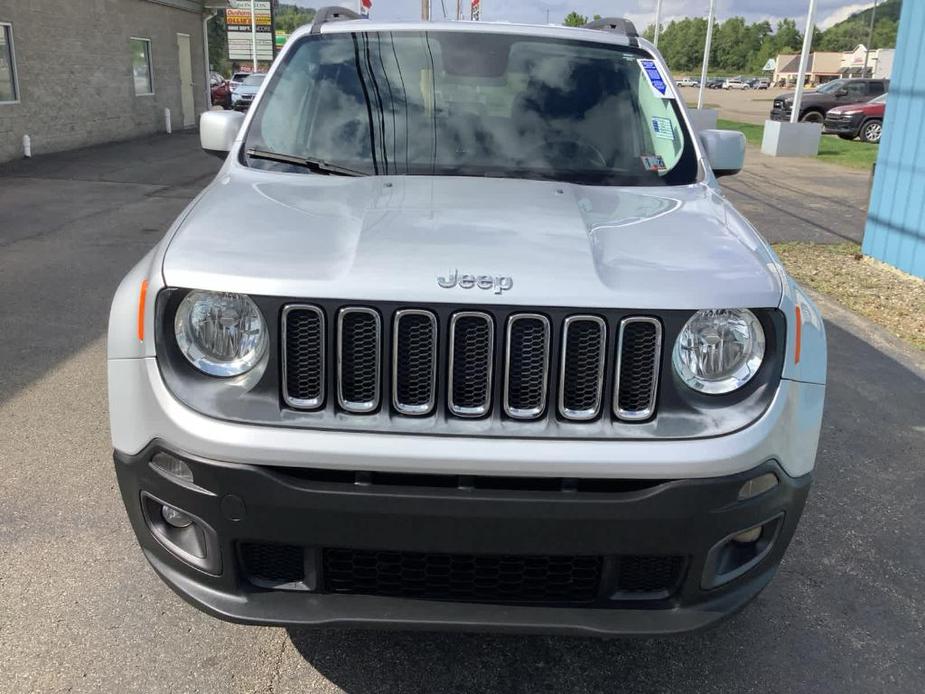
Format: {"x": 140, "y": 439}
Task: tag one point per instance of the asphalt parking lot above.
{"x": 81, "y": 611}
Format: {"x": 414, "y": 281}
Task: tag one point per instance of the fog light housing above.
{"x": 184, "y": 535}
{"x": 175, "y": 518}
{"x": 740, "y": 552}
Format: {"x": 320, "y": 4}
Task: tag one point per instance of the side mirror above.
{"x": 217, "y": 131}
{"x": 725, "y": 151}
{"x": 841, "y": 92}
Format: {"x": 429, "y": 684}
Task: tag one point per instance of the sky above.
{"x": 640, "y": 11}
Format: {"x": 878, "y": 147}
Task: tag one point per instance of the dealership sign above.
{"x": 476, "y": 10}
{"x": 240, "y": 30}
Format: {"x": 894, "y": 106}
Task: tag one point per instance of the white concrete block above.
{"x": 703, "y": 118}
{"x": 783, "y": 139}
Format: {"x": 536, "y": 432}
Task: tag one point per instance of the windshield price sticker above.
{"x": 654, "y": 162}
{"x": 659, "y": 85}
{"x": 661, "y": 128}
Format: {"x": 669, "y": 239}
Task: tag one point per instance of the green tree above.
{"x": 573, "y": 19}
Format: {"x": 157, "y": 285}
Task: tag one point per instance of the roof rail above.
{"x": 617, "y": 25}
{"x": 332, "y": 14}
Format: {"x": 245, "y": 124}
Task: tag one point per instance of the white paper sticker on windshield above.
{"x": 661, "y": 128}
{"x": 659, "y": 85}
{"x": 654, "y": 162}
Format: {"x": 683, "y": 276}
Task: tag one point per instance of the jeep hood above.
{"x": 389, "y": 238}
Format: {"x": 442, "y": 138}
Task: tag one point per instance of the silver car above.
{"x": 464, "y": 334}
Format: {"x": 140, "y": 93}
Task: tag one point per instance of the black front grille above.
{"x": 269, "y": 564}
{"x": 303, "y": 360}
{"x": 471, "y": 352}
{"x": 443, "y": 363}
{"x": 540, "y": 579}
{"x": 528, "y": 366}
{"x": 415, "y": 362}
{"x": 359, "y": 347}
{"x": 637, "y": 372}
{"x": 582, "y": 371}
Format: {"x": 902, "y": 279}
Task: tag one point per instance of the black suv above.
{"x": 816, "y": 103}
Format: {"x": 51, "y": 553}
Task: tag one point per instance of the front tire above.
{"x": 813, "y": 117}
{"x": 872, "y": 131}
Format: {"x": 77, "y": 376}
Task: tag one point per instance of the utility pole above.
{"x": 706, "y": 54}
{"x": 870, "y": 38}
{"x": 658, "y": 20}
{"x": 425, "y": 10}
{"x": 254, "y": 34}
{"x": 458, "y": 10}
{"x": 804, "y": 62}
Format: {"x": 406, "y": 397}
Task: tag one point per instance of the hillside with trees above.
{"x": 740, "y": 47}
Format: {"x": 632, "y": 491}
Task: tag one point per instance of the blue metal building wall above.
{"x": 895, "y": 230}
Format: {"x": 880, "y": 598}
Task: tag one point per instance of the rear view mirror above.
{"x": 725, "y": 151}
{"x": 218, "y": 130}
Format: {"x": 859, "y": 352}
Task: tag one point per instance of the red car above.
{"x": 858, "y": 120}
{"x": 221, "y": 91}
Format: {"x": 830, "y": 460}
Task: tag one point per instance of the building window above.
{"x": 9, "y": 90}
{"x": 141, "y": 66}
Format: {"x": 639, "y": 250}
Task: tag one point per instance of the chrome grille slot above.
{"x": 471, "y": 361}
{"x": 414, "y": 361}
{"x": 303, "y": 356}
{"x": 638, "y": 356}
{"x": 581, "y": 373}
{"x": 359, "y": 348}
{"x": 527, "y": 366}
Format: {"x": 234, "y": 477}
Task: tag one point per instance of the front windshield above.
{"x": 831, "y": 86}
{"x": 253, "y": 80}
{"x": 467, "y": 104}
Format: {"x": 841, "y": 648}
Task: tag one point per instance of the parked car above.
{"x": 760, "y": 83}
{"x": 405, "y": 364}
{"x": 863, "y": 120}
{"x": 243, "y": 96}
{"x": 736, "y": 83}
{"x": 237, "y": 78}
{"x": 715, "y": 83}
{"x": 688, "y": 82}
{"x": 221, "y": 91}
{"x": 818, "y": 102}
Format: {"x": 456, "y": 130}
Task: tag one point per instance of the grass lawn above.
{"x": 851, "y": 153}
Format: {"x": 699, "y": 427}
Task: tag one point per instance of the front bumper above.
{"x": 689, "y": 519}
{"x": 781, "y": 114}
{"x": 842, "y": 125}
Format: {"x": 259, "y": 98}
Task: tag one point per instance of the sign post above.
{"x": 804, "y": 62}
{"x": 706, "y": 55}
{"x": 658, "y": 20}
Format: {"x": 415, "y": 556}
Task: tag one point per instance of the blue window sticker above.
{"x": 658, "y": 83}
{"x": 661, "y": 128}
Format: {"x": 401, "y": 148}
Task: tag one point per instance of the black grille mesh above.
{"x": 415, "y": 361}
{"x": 473, "y": 349}
{"x": 305, "y": 356}
{"x": 640, "y": 574}
{"x": 527, "y": 365}
{"x": 464, "y": 577}
{"x": 272, "y": 564}
{"x": 359, "y": 353}
{"x": 581, "y": 381}
{"x": 639, "y": 355}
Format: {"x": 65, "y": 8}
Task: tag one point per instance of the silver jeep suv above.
{"x": 465, "y": 335}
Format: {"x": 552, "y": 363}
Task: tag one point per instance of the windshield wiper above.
{"x": 318, "y": 166}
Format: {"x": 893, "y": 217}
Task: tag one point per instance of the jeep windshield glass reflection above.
{"x": 457, "y": 103}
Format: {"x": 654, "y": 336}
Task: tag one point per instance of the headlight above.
{"x": 719, "y": 351}
{"x": 221, "y": 334}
